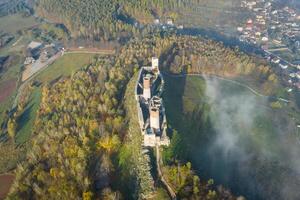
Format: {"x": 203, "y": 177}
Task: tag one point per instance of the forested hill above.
{"x": 105, "y": 19}
{"x": 110, "y": 19}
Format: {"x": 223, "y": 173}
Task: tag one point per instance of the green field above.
{"x": 234, "y": 136}
{"x": 12, "y": 73}
{"x": 26, "y": 120}
{"x": 65, "y": 66}
{"x": 14, "y": 23}
{"x": 11, "y": 24}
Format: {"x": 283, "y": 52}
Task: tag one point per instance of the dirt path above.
{"x": 160, "y": 174}
{"x": 92, "y": 51}
{"x": 228, "y": 80}
{"x": 14, "y": 44}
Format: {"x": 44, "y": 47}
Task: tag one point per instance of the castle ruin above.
{"x": 151, "y": 111}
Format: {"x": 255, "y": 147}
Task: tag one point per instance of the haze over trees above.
{"x": 81, "y": 141}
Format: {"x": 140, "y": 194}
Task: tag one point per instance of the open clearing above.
{"x": 6, "y": 89}
{"x": 5, "y": 182}
{"x": 13, "y": 23}
{"x": 65, "y": 66}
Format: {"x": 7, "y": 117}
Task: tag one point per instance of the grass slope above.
{"x": 249, "y": 147}
{"x": 26, "y": 120}
{"x": 65, "y": 66}
{"x": 13, "y": 23}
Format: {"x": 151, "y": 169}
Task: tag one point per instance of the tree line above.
{"x": 109, "y": 19}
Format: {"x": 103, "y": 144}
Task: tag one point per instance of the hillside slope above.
{"x": 104, "y": 20}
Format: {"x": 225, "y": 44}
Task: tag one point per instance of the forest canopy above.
{"x": 85, "y": 142}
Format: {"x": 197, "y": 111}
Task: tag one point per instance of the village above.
{"x": 38, "y": 56}
{"x": 276, "y": 31}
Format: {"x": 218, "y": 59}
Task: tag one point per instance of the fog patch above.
{"x": 267, "y": 164}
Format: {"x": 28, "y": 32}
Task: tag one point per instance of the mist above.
{"x": 254, "y": 151}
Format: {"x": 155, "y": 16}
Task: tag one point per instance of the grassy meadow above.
{"x": 16, "y": 22}
{"x": 65, "y": 66}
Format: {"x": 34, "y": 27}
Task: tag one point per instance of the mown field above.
{"x": 65, "y": 66}
{"x": 235, "y": 137}
{"x": 16, "y": 22}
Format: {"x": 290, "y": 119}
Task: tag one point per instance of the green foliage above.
{"x": 82, "y": 135}
{"x": 90, "y": 19}
{"x": 194, "y": 55}
{"x": 111, "y": 19}
{"x": 176, "y": 149}
{"x": 188, "y": 186}
{"x": 65, "y": 136}
{"x": 13, "y": 6}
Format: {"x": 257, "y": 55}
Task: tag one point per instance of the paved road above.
{"x": 104, "y": 52}
{"x": 289, "y": 63}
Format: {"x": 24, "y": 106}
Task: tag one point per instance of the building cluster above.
{"x": 151, "y": 111}
{"x": 277, "y": 30}
{"x": 254, "y": 30}
{"x": 37, "y": 51}
{"x": 270, "y": 25}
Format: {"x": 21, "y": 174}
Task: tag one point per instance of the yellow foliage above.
{"x": 93, "y": 125}
{"x": 54, "y": 172}
{"x": 276, "y": 105}
{"x": 87, "y": 195}
{"x": 109, "y": 143}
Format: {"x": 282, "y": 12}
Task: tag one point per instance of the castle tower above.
{"x": 155, "y": 63}
{"x": 147, "y": 87}
{"x": 154, "y": 118}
